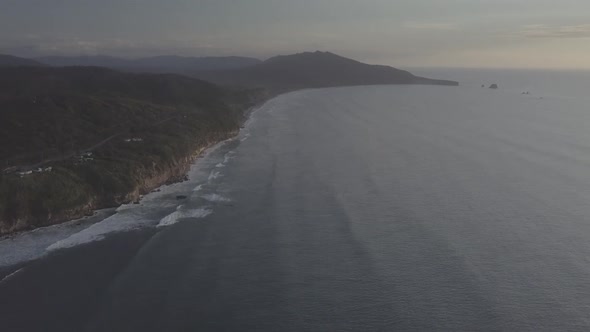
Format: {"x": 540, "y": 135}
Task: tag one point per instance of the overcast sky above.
{"x": 447, "y": 33}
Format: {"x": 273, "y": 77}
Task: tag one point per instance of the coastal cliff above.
{"x": 78, "y": 199}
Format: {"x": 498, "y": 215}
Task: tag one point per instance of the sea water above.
{"x": 376, "y": 208}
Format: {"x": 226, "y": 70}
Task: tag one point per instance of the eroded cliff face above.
{"x": 149, "y": 179}
{"x": 152, "y": 179}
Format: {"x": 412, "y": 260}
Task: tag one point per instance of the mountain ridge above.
{"x": 14, "y": 61}
{"x": 277, "y": 74}
{"x": 160, "y": 63}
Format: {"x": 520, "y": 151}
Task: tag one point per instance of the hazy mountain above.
{"x": 192, "y": 63}
{"x": 315, "y": 70}
{"x": 160, "y": 64}
{"x": 95, "y": 60}
{"x": 303, "y": 70}
{"x": 13, "y": 61}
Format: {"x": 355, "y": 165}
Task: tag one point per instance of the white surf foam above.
{"x": 31, "y": 245}
{"x": 198, "y": 188}
{"x": 176, "y": 216}
{"x": 125, "y": 220}
{"x": 228, "y": 157}
{"x": 216, "y": 198}
{"x": 214, "y": 175}
{"x": 124, "y": 207}
{"x": 170, "y": 219}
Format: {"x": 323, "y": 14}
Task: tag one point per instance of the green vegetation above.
{"x": 107, "y": 136}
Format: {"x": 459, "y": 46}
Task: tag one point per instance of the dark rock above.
{"x": 494, "y": 86}
{"x": 181, "y": 197}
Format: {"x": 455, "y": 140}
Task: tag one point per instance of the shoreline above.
{"x": 33, "y": 243}
{"x": 176, "y": 174}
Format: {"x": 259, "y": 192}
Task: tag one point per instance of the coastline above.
{"x": 169, "y": 176}
{"x": 35, "y": 244}
{"x": 174, "y": 174}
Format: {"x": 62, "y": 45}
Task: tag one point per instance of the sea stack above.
{"x": 494, "y": 86}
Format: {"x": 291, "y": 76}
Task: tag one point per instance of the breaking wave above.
{"x": 125, "y": 220}
{"x": 176, "y": 216}
{"x": 214, "y": 175}
{"x": 216, "y": 198}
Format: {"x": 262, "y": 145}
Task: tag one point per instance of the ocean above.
{"x": 376, "y": 208}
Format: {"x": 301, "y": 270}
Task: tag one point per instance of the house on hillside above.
{"x": 25, "y": 173}
{"x": 86, "y": 157}
{"x": 43, "y": 170}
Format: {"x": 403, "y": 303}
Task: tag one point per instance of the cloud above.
{"x": 564, "y": 31}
